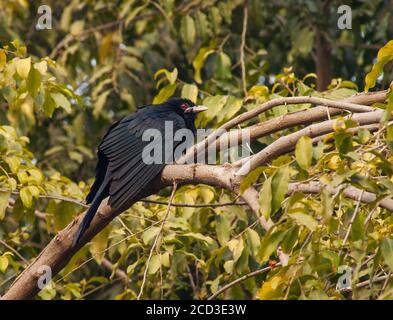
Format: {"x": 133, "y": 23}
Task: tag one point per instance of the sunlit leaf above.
{"x": 303, "y": 152}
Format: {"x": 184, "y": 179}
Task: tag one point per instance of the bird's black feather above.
{"x": 121, "y": 173}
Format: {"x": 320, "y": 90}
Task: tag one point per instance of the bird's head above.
{"x": 187, "y": 109}
{"x": 186, "y": 106}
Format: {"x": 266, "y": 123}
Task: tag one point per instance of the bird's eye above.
{"x": 184, "y": 106}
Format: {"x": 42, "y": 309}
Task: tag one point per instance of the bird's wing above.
{"x": 123, "y": 147}
{"x": 101, "y": 168}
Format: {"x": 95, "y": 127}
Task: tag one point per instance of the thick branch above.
{"x": 325, "y": 108}
{"x": 60, "y": 250}
{"x": 284, "y": 143}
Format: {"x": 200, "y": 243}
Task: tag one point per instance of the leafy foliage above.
{"x": 103, "y": 59}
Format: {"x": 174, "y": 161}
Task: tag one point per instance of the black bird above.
{"x": 121, "y": 172}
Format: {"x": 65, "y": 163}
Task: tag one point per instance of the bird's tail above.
{"x": 101, "y": 195}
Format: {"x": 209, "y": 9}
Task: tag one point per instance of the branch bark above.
{"x": 60, "y": 250}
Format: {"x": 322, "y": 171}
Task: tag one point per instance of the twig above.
{"x": 245, "y": 277}
{"x": 211, "y": 138}
{"x": 353, "y": 218}
{"x": 242, "y": 45}
{"x": 156, "y": 240}
{"x": 202, "y": 205}
{"x": 14, "y": 251}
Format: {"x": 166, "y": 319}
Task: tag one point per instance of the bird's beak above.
{"x": 198, "y": 109}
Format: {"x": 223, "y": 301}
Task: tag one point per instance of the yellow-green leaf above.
{"x": 3, "y": 59}
{"x": 26, "y": 196}
{"x": 4, "y": 198}
{"x": 190, "y": 91}
{"x": 271, "y": 289}
{"x": 61, "y": 101}
{"x": 279, "y": 187}
{"x": 269, "y": 244}
{"x": 203, "y": 53}
{"x": 387, "y": 252}
{"x": 187, "y": 30}
{"x": 154, "y": 264}
{"x": 33, "y": 82}
{"x": 385, "y": 54}
{"x": 303, "y": 152}
{"x": 223, "y": 228}
{"x": 165, "y": 93}
{"x": 265, "y": 198}
{"x": 99, "y": 244}
{"x": 23, "y": 67}
{"x": 250, "y": 179}
{"x": 150, "y": 234}
{"x": 3, "y": 263}
{"x": 305, "y": 220}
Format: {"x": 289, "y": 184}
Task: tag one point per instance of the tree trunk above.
{"x": 322, "y": 59}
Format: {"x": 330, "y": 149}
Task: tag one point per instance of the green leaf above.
{"x": 304, "y": 41}
{"x": 99, "y": 243}
{"x": 199, "y": 236}
{"x": 203, "y": 53}
{"x": 279, "y": 187}
{"x": 253, "y": 241}
{"x": 100, "y": 102}
{"x": 236, "y": 246}
{"x": 387, "y": 252}
{"x": 150, "y": 234}
{"x": 63, "y": 213}
{"x": 33, "y": 82}
{"x": 49, "y": 105}
{"x": 232, "y": 106}
{"x": 165, "y": 93}
{"x": 290, "y": 239}
{"x": 3, "y": 263}
{"x": 77, "y": 27}
{"x": 14, "y": 163}
{"x": 271, "y": 289}
{"x": 327, "y": 204}
{"x": 61, "y": 101}
{"x": 214, "y": 105}
{"x": 9, "y": 94}
{"x": 154, "y": 264}
{"x": 4, "y": 199}
{"x": 269, "y": 244}
{"x": 385, "y": 54}
{"x": 171, "y": 76}
{"x": 250, "y": 179}
{"x": 387, "y": 113}
{"x": 223, "y": 66}
{"x": 223, "y": 228}
{"x": 3, "y": 59}
{"x": 305, "y": 220}
{"x": 41, "y": 66}
{"x": 187, "y": 30}
{"x": 265, "y": 198}
{"x": 303, "y": 152}
{"x": 332, "y": 256}
{"x": 389, "y": 136}
{"x": 190, "y": 91}
{"x": 26, "y": 196}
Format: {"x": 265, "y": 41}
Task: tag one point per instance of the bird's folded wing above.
{"x": 123, "y": 146}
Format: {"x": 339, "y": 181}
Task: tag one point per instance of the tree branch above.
{"x": 60, "y": 250}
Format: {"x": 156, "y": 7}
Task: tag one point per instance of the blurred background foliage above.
{"x": 61, "y": 88}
